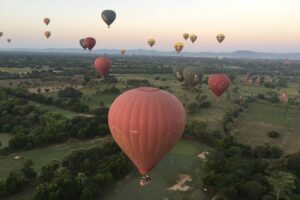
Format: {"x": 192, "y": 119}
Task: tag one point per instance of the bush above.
{"x": 273, "y": 134}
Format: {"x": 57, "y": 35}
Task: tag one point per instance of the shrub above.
{"x": 273, "y": 134}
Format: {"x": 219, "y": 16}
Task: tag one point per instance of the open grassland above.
{"x": 41, "y": 156}
{"x": 260, "y": 118}
{"x": 182, "y": 160}
{"x": 15, "y": 70}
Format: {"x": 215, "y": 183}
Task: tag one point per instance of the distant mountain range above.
{"x": 235, "y": 54}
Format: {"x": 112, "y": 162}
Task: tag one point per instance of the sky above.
{"x": 258, "y": 25}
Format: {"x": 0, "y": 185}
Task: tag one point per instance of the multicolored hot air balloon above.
{"x": 89, "y": 43}
{"x": 186, "y": 36}
{"x": 46, "y": 21}
{"x": 283, "y": 98}
{"x": 192, "y": 76}
{"x": 218, "y": 83}
{"x": 122, "y": 51}
{"x": 178, "y": 73}
{"x": 108, "y": 16}
{"x": 102, "y": 65}
{"x": 82, "y": 44}
{"x": 193, "y": 38}
{"x": 1, "y": 34}
{"x": 151, "y": 42}
{"x": 178, "y": 47}
{"x": 47, "y": 34}
{"x": 8, "y": 40}
{"x": 220, "y": 37}
{"x": 146, "y": 123}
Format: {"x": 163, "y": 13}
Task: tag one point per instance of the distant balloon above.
{"x": 90, "y": 43}
{"x": 283, "y": 98}
{"x": 108, "y": 16}
{"x": 102, "y": 65}
{"x": 46, "y": 21}
{"x": 151, "y": 42}
{"x": 122, "y": 51}
{"x": 218, "y": 83}
{"x": 47, "y": 34}
{"x": 1, "y": 34}
{"x": 220, "y": 38}
{"x": 178, "y": 47}
{"x": 146, "y": 123}
{"x": 192, "y": 76}
{"x": 8, "y": 40}
{"x": 186, "y": 36}
{"x": 178, "y": 73}
{"x": 82, "y": 44}
{"x": 193, "y": 38}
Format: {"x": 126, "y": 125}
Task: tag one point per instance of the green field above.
{"x": 260, "y": 118}
{"x": 15, "y": 70}
{"x": 41, "y": 156}
{"x": 182, "y": 160}
{"x": 4, "y": 139}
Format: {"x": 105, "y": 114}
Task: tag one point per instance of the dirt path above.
{"x": 181, "y": 183}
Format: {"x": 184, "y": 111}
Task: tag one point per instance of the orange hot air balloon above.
{"x": 151, "y": 42}
{"x": 186, "y": 36}
{"x": 46, "y": 21}
{"x": 193, "y": 38}
{"x": 102, "y": 65}
{"x": 47, "y": 34}
{"x": 283, "y": 98}
{"x": 122, "y": 51}
{"x": 146, "y": 123}
{"x": 90, "y": 43}
{"x": 220, "y": 37}
{"x": 178, "y": 47}
{"x": 218, "y": 83}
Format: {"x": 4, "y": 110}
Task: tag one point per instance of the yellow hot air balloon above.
{"x": 186, "y": 36}
{"x": 47, "y": 34}
{"x": 151, "y": 42}
{"x": 220, "y": 37}
{"x": 193, "y": 38}
{"x": 178, "y": 47}
{"x": 122, "y": 51}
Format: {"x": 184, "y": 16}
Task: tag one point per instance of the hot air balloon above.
{"x": 192, "y": 76}
{"x": 146, "y": 123}
{"x": 186, "y": 36}
{"x": 82, "y": 44}
{"x": 193, "y": 38}
{"x": 46, "y": 21}
{"x": 122, "y": 51}
{"x": 151, "y": 42}
{"x": 283, "y": 98}
{"x": 108, "y": 17}
{"x": 178, "y": 47}
{"x": 8, "y": 40}
{"x": 218, "y": 83}
{"x": 178, "y": 73}
{"x": 47, "y": 34}
{"x": 1, "y": 34}
{"x": 102, "y": 65}
{"x": 220, "y": 38}
{"x": 90, "y": 43}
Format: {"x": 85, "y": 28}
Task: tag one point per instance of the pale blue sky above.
{"x": 261, "y": 25}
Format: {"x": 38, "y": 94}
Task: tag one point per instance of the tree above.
{"x": 28, "y": 170}
{"x": 70, "y": 93}
{"x": 282, "y": 183}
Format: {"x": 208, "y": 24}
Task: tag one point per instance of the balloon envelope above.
{"x": 178, "y": 73}
{"x": 220, "y": 37}
{"x": 90, "y": 43}
{"x": 1, "y": 34}
{"x": 146, "y": 123}
{"x": 108, "y": 16}
{"x": 122, "y": 51}
{"x": 102, "y": 65}
{"x": 47, "y": 34}
{"x": 8, "y": 40}
{"x": 192, "y": 76}
{"x": 82, "y": 44}
{"x": 283, "y": 98}
{"x": 193, "y": 38}
{"x": 151, "y": 42}
{"x": 186, "y": 36}
{"x": 178, "y": 47}
{"x": 218, "y": 83}
{"x": 46, "y": 20}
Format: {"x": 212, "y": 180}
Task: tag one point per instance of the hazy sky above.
{"x": 261, "y": 25}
